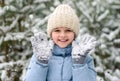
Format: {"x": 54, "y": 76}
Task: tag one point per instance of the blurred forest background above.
{"x": 20, "y": 19}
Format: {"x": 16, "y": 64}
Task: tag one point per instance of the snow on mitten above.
{"x": 80, "y": 49}
{"x": 42, "y": 47}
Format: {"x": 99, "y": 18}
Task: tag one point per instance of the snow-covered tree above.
{"x": 19, "y": 19}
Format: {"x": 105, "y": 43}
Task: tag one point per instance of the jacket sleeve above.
{"x": 84, "y": 72}
{"x": 36, "y": 71}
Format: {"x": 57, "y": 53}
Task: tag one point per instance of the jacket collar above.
{"x": 57, "y": 51}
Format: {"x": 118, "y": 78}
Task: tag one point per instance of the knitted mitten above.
{"x": 42, "y": 47}
{"x": 80, "y": 49}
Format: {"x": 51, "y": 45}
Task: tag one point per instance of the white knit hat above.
{"x": 63, "y": 16}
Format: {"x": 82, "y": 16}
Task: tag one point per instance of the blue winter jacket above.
{"x": 61, "y": 68}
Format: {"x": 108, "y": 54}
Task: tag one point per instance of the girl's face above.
{"x": 62, "y": 36}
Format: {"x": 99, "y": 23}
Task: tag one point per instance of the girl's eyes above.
{"x": 68, "y": 30}
{"x": 57, "y": 30}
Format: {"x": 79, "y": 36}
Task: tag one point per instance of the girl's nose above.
{"x": 62, "y": 34}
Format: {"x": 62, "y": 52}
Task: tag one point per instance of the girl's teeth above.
{"x": 63, "y": 40}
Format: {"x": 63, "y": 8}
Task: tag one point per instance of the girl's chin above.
{"x": 62, "y": 46}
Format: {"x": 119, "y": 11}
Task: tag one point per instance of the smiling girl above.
{"x": 63, "y": 58}
{"x": 62, "y": 36}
